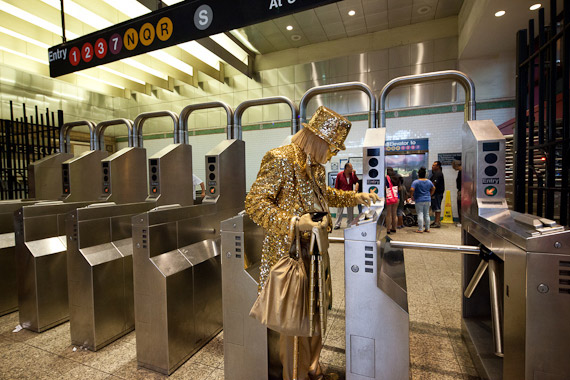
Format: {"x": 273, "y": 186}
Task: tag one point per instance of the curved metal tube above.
{"x": 64, "y": 134}
{"x": 102, "y": 126}
{"x": 435, "y": 76}
{"x": 181, "y": 131}
{"x": 347, "y": 86}
{"x": 140, "y": 119}
{"x": 237, "y": 128}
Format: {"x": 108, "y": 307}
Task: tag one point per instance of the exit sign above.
{"x": 182, "y": 22}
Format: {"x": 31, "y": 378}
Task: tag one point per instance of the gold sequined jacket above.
{"x": 282, "y": 190}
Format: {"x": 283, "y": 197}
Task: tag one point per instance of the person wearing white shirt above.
{"x": 197, "y": 181}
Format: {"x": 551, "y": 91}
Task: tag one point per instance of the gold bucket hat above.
{"x": 330, "y": 126}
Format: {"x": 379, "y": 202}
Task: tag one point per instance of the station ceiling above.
{"x": 29, "y": 27}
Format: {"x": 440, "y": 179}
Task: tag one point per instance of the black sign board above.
{"x": 448, "y": 158}
{"x": 182, "y": 22}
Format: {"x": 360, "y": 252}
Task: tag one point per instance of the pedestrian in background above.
{"x": 438, "y": 181}
{"x": 456, "y": 164}
{"x": 392, "y": 185}
{"x": 345, "y": 181}
{"x": 421, "y": 191}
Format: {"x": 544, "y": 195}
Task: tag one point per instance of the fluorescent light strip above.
{"x": 230, "y": 46}
{"x": 145, "y": 68}
{"x": 80, "y": 13}
{"x": 195, "y": 49}
{"x": 131, "y": 8}
{"x": 23, "y": 38}
{"x": 100, "y": 80}
{"x": 28, "y": 17}
{"x": 118, "y": 73}
{"x": 2, "y": 48}
{"x": 174, "y": 62}
{"x": 171, "y": 2}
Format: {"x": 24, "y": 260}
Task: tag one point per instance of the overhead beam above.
{"x": 225, "y": 55}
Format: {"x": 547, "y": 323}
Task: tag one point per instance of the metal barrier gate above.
{"x": 79, "y": 183}
{"x": 99, "y": 263}
{"x": 517, "y": 326}
{"x": 177, "y": 279}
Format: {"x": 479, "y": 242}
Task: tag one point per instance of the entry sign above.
{"x": 182, "y": 22}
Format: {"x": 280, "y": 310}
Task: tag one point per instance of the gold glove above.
{"x": 307, "y": 224}
{"x": 366, "y": 198}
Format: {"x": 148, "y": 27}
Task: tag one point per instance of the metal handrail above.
{"x": 102, "y": 126}
{"x": 64, "y": 140}
{"x": 140, "y": 119}
{"x": 181, "y": 134}
{"x": 237, "y": 127}
{"x": 347, "y": 86}
{"x": 435, "y": 76}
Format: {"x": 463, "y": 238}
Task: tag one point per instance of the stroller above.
{"x": 410, "y": 216}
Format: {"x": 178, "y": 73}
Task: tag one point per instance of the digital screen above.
{"x": 373, "y": 152}
{"x": 491, "y": 146}
{"x": 212, "y": 160}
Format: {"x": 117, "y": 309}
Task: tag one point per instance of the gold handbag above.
{"x": 283, "y": 304}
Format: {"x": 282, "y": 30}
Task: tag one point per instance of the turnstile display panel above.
{"x": 106, "y": 174}
{"x": 212, "y": 175}
{"x": 65, "y": 178}
{"x": 373, "y": 161}
{"x": 154, "y": 175}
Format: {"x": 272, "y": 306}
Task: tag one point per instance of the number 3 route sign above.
{"x": 182, "y": 22}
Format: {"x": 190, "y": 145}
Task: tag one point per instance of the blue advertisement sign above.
{"x": 407, "y": 146}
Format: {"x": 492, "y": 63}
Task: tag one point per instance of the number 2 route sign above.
{"x": 182, "y": 22}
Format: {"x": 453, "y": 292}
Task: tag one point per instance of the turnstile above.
{"x": 177, "y": 265}
{"x": 99, "y": 251}
{"x": 377, "y": 319}
{"x": 250, "y": 349}
{"x": 517, "y": 296}
{"x": 100, "y": 272}
{"x": 41, "y": 264}
{"x": 8, "y": 278}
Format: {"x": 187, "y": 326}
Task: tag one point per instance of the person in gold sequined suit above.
{"x": 291, "y": 183}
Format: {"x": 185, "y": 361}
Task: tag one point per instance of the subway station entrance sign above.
{"x": 182, "y": 22}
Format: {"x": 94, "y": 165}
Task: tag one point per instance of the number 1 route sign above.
{"x": 182, "y": 22}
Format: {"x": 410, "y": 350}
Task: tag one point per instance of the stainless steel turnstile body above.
{"x": 377, "y": 319}
{"x": 100, "y": 242}
{"x": 100, "y": 272}
{"x": 8, "y": 278}
{"x": 516, "y": 326}
{"x": 124, "y": 176}
{"x": 247, "y": 343}
{"x": 45, "y": 176}
{"x": 41, "y": 264}
{"x": 178, "y": 298}
{"x": 80, "y": 183}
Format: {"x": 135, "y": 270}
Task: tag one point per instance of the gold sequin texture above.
{"x": 330, "y": 126}
{"x": 283, "y": 190}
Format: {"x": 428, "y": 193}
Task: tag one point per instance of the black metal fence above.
{"x": 24, "y": 140}
{"x": 542, "y": 131}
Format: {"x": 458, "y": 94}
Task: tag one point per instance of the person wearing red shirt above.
{"x": 346, "y": 180}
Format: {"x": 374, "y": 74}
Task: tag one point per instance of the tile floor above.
{"x": 436, "y": 347}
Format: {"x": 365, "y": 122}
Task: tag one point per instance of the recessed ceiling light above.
{"x": 295, "y": 37}
{"x": 500, "y": 13}
{"x": 351, "y": 13}
{"x": 535, "y": 7}
{"x": 289, "y": 27}
{"x": 423, "y": 10}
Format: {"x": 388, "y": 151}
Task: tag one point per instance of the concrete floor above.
{"x": 436, "y": 347}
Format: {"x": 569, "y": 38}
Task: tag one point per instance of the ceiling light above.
{"x": 535, "y": 7}
{"x": 80, "y": 13}
{"x": 42, "y": 61}
{"x": 123, "y": 75}
{"x": 500, "y": 13}
{"x": 228, "y": 44}
{"x": 295, "y": 37}
{"x": 195, "y": 49}
{"x": 351, "y": 13}
{"x": 100, "y": 80}
{"x": 172, "y": 61}
{"x": 131, "y": 8}
{"x": 145, "y": 68}
{"x": 23, "y": 38}
{"x": 289, "y": 27}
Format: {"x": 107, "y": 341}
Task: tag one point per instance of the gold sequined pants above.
{"x": 309, "y": 347}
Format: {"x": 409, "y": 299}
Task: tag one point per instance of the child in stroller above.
{"x": 410, "y": 216}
